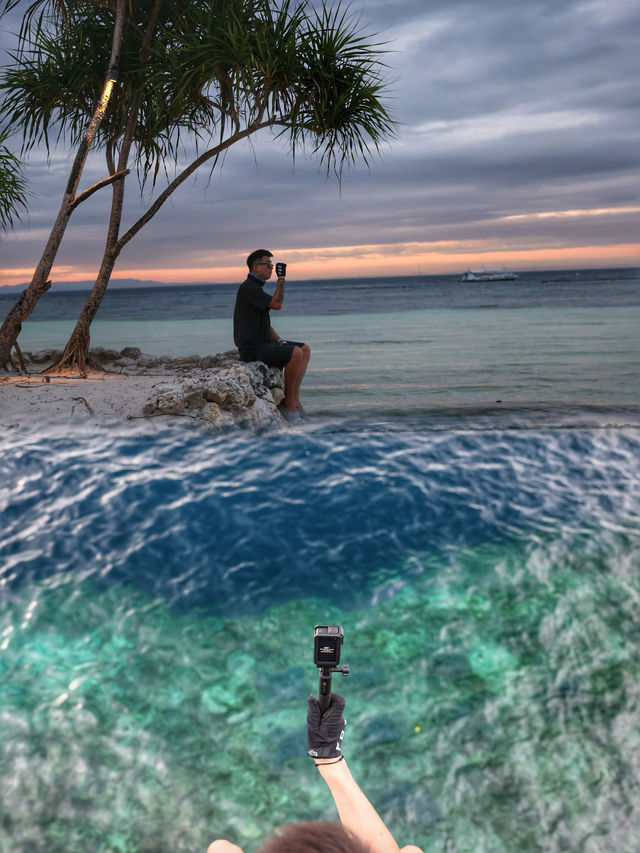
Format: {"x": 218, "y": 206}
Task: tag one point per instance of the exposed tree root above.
{"x": 82, "y": 400}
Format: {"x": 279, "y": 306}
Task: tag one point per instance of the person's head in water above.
{"x": 313, "y": 837}
{"x": 307, "y": 837}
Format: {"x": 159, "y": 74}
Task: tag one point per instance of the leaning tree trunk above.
{"x": 39, "y": 285}
{"x": 76, "y": 355}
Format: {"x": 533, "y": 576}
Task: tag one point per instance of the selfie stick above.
{"x": 324, "y": 689}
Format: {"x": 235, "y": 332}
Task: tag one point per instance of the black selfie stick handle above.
{"x": 324, "y": 690}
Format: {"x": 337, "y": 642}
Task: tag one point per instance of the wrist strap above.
{"x": 327, "y": 763}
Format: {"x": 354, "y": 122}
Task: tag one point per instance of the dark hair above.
{"x": 256, "y": 255}
{"x": 313, "y": 837}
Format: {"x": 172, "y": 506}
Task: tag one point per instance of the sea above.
{"x": 464, "y": 502}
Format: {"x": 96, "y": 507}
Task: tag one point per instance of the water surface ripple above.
{"x": 235, "y": 523}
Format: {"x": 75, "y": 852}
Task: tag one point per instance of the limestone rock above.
{"x": 133, "y": 353}
{"x": 263, "y": 415}
{"x": 208, "y": 361}
{"x": 42, "y": 356}
{"x": 218, "y": 418}
{"x": 104, "y": 355}
{"x": 277, "y": 395}
{"x": 230, "y": 387}
{"x": 220, "y": 389}
{"x": 174, "y": 400}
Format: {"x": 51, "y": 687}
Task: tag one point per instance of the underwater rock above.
{"x": 383, "y": 730}
{"x": 449, "y": 668}
{"x": 282, "y": 686}
{"x": 218, "y": 699}
{"x": 288, "y": 747}
{"x": 414, "y": 805}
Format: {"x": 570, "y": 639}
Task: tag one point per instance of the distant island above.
{"x": 114, "y": 284}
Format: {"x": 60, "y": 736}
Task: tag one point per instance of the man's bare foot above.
{"x": 290, "y": 415}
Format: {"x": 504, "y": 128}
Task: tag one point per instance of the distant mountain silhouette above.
{"x": 114, "y": 284}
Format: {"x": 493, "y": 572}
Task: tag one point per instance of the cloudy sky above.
{"x": 517, "y": 147}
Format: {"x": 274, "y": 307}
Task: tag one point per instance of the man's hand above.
{"x": 278, "y": 297}
{"x": 325, "y": 731}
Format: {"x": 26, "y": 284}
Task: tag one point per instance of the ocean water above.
{"x": 159, "y": 588}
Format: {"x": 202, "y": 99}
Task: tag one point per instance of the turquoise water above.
{"x": 157, "y": 602}
{"x": 424, "y": 361}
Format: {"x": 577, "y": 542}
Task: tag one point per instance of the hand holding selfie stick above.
{"x": 327, "y": 641}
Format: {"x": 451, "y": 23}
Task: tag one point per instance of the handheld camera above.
{"x": 281, "y": 269}
{"x": 327, "y": 642}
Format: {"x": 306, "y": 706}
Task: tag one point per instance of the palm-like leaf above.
{"x": 216, "y": 66}
{"x": 13, "y": 188}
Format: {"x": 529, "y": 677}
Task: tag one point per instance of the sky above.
{"x": 517, "y": 146}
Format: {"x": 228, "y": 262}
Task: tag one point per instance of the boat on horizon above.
{"x": 488, "y": 275}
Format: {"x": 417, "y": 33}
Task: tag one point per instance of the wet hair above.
{"x": 256, "y": 255}
{"x": 313, "y": 837}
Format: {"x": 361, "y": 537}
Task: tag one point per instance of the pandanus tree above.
{"x": 45, "y": 18}
{"x": 13, "y": 188}
{"x": 214, "y": 72}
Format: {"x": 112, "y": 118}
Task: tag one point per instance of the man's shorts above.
{"x": 274, "y": 355}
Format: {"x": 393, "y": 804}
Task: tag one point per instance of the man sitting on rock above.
{"x": 257, "y": 340}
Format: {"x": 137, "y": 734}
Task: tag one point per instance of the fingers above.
{"x": 337, "y": 703}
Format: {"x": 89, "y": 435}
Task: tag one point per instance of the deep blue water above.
{"x": 232, "y": 525}
{"x": 539, "y": 289}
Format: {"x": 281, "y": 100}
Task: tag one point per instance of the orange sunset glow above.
{"x": 363, "y": 261}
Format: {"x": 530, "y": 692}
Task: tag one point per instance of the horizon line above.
{"x": 142, "y": 282}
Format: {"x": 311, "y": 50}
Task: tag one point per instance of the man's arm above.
{"x": 356, "y": 812}
{"x": 278, "y": 297}
{"x": 325, "y": 733}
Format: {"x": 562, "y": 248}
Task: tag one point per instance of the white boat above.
{"x": 488, "y": 275}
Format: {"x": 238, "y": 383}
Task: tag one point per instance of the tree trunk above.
{"x": 39, "y": 285}
{"x": 76, "y": 355}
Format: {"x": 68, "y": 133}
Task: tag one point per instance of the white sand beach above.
{"x": 98, "y": 396}
{"x": 217, "y": 390}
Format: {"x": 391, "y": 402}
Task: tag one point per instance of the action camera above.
{"x": 327, "y": 642}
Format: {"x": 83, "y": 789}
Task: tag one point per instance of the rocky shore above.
{"x": 218, "y": 390}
